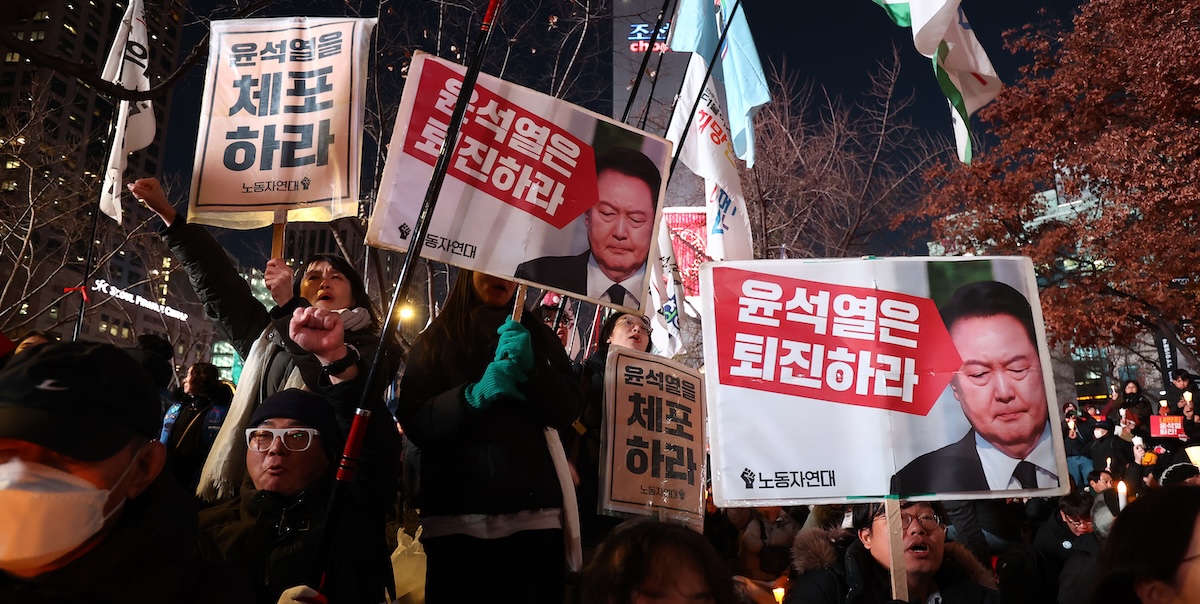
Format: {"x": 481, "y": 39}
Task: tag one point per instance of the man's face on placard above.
{"x": 1000, "y": 384}
{"x": 620, "y": 225}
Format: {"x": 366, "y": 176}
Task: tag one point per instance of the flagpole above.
{"x": 707, "y": 75}
{"x": 87, "y": 265}
{"x": 324, "y": 544}
{"x": 637, "y": 81}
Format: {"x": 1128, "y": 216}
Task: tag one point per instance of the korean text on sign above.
{"x": 655, "y": 436}
{"x": 505, "y": 150}
{"x": 824, "y": 341}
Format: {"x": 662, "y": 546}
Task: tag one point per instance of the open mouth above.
{"x": 919, "y": 548}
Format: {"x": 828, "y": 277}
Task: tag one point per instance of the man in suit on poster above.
{"x": 620, "y": 229}
{"x": 1003, "y": 395}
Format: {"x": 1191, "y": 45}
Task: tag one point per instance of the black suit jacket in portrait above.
{"x": 955, "y": 467}
{"x": 568, "y": 273}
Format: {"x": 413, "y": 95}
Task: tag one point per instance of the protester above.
{"x": 1002, "y": 392}
{"x": 327, "y": 292}
{"x": 1077, "y": 433}
{"x": 1110, "y": 452}
{"x": 765, "y": 547}
{"x": 1182, "y": 382}
{"x": 835, "y": 566}
{"x": 1059, "y": 534}
{"x": 157, "y": 357}
{"x": 32, "y": 339}
{"x": 561, "y": 321}
{"x": 271, "y": 530}
{"x": 650, "y": 561}
{"x": 1099, "y": 481}
{"x": 477, "y": 394}
{"x": 1078, "y": 578}
{"x": 191, "y": 425}
{"x": 85, "y": 512}
{"x": 1150, "y": 556}
{"x": 582, "y": 443}
{"x": 1182, "y": 473}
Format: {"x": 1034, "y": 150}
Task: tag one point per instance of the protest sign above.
{"x": 281, "y": 121}
{"x": 525, "y": 172}
{"x": 653, "y": 458}
{"x": 1166, "y": 426}
{"x": 838, "y": 380}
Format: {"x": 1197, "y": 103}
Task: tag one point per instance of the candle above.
{"x": 1108, "y": 463}
{"x": 1187, "y": 395}
{"x": 1122, "y": 496}
{"x": 778, "y": 592}
{"x": 1162, "y": 403}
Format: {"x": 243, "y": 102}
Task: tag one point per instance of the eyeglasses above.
{"x": 294, "y": 439}
{"x": 929, "y": 522}
{"x": 1079, "y": 521}
{"x": 566, "y": 320}
{"x": 628, "y": 321}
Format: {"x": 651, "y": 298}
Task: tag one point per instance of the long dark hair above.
{"x": 1149, "y": 540}
{"x": 358, "y": 289}
{"x": 453, "y": 324}
{"x": 606, "y": 332}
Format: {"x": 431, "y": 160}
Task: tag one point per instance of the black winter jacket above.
{"x": 485, "y": 461}
{"x": 832, "y": 567}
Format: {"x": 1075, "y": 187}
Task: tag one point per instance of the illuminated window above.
{"x": 37, "y": 36}
{"x": 8, "y": 186}
{"x": 24, "y": 309}
{"x": 70, "y": 28}
{"x": 12, "y": 163}
{"x": 12, "y": 57}
{"x": 42, "y": 15}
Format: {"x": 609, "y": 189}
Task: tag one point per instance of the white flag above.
{"x": 126, "y": 66}
{"x": 707, "y": 151}
{"x": 666, "y": 290}
{"x": 941, "y": 32}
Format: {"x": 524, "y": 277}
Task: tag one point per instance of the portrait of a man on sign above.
{"x": 1002, "y": 392}
{"x": 620, "y": 228}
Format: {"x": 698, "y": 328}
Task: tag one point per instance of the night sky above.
{"x": 835, "y": 45}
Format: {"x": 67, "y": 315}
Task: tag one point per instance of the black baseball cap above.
{"x": 85, "y": 400}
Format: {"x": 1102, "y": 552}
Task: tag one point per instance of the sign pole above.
{"x": 896, "y": 547}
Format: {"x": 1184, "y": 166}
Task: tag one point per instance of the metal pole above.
{"x": 707, "y": 74}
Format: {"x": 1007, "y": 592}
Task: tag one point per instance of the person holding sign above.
{"x": 620, "y": 228}
{"x": 834, "y": 566}
{"x": 582, "y": 443}
{"x": 341, "y": 340}
{"x": 476, "y": 397}
{"x": 1003, "y": 395}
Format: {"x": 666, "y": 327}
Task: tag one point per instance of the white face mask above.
{"x": 46, "y": 513}
{"x": 1099, "y": 433}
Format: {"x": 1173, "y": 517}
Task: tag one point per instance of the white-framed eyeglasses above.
{"x": 294, "y": 439}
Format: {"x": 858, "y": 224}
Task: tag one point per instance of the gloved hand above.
{"x": 515, "y": 345}
{"x": 301, "y": 594}
{"x": 499, "y": 381}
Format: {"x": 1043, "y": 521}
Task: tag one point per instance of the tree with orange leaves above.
{"x": 1095, "y": 175}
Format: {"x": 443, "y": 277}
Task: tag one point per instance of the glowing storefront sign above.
{"x": 102, "y": 286}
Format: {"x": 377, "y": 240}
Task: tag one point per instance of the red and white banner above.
{"x": 653, "y": 460}
{"x": 828, "y": 379}
{"x": 1166, "y": 426}
{"x": 521, "y": 182}
{"x": 281, "y": 121}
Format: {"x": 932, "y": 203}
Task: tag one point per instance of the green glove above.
{"x": 515, "y": 345}
{"x": 499, "y": 381}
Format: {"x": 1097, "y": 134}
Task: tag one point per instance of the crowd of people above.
{"x": 116, "y": 488}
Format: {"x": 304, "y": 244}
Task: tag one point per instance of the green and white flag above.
{"x": 941, "y": 32}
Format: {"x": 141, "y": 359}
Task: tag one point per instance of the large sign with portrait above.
{"x": 839, "y": 380}
{"x": 653, "y": 458}
{"x": 538, "y": 189}
{"x": 281, "y": 121}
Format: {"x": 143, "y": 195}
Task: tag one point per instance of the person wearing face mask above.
{"x": 328, "y": 290}
{"x": 86, "y": 513}
{"x": 477, "y": 394}
{"x": 582, "y": 443}
{"x": 271, "y": 529}
{"x": 835, "y": 566}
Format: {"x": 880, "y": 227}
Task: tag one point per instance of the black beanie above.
{"x": 312, "y": 410}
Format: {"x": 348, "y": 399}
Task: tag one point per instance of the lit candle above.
{"x": 1108, "y": 463}
{"x": 778, "y": 591}
{"x": 1122, "y": 496}
{"x": 1187, "y": 395}
{"x": 1162, "y": 403}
